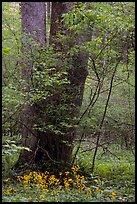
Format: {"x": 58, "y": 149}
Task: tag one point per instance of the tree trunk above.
{"x": 34, "y": 20}
{"x": 61, "y": 145}
{"x": 53, "y": 149}
{"x": 33, "y": 16}
{"x": 48, "y": 11}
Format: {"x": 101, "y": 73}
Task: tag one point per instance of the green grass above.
{"x": 117, "y": 169}
{"x": 111, "y": 175}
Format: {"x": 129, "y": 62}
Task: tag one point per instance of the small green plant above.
{"x": 10, "y": 153}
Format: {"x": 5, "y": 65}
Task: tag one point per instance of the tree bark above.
{"x": 48, "y": 11}
{"x": 51, "y": 149}
{"x": 62, "y": 150}
{"x": 78, "y": 72}
{"x": 33, "y": 19}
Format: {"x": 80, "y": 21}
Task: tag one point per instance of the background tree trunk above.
{"x": 48, "y": 11}
{"x": 33, "y": 19}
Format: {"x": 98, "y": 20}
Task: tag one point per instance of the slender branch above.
{"x": 107, "y": 150}
{"x": 88, "y": 104}
{"x": 48, "y": 155}
{"x": 122, "y": 123}
{"x": 104, "y": 114}
{"x": 113, "y": 36}
{"x": 12, "y": 115}
{"x": 100, "y": 145}
{"x": 126, "y": 81}
{"x": 27, "y": 128}
{"x": 78, "y": 147}
{"x": 94, "y": 68}
{"x": 97, "y": 95}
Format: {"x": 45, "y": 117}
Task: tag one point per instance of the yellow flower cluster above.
{"x": 10, "y": 190}
{"x": 75, "y": 168}
{"x": 112, "y": 195}
{"x": 41, "y": 180}
{"x": 99, "y": 189}
{"x": 47, "y": 181}
{"x": 66, "y": 181}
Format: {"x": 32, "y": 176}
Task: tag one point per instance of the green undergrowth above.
{"x": 113, "y": 180}
{"x": 116, "y": 167}
{"x": 69, "y": 186}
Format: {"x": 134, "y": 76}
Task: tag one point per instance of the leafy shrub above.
{"x": 10, "y": 153}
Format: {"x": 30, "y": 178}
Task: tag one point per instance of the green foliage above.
{"x": 12, "y": 96}
{"x": 102, "y": 15}
{"x": 107, "y": 30}
{"x": 11, "y": 30}
{"x": 109, "y": 40}
{"x": 112, "y": 181}
{"x": 115, "y": 166}
{"x": 45, "y": 77}
{"x": 10, "y": 147}
{"x": 46, "y": 80}
{"x": 48, "y": 90}
{"x": 47, "y": 183}
{"x": 10, "y": 153}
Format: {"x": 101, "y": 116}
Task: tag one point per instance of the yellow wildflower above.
{"x": 98, "y": 190}
{"x": 75, "y": 168}
{"x": 41, "y": 197}
{"x": 46, "y": 172}
{"x": 9, "y": 191}
{"x": 69, "y": 179}
{"x": 112, "y": 195}
{"x": 81, "y": 186}
{"x": 67, "y": 173}
{"x": 66, "y": 184}
{"x": 89, "y": 190}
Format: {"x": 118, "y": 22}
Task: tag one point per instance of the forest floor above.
{"x": 113, "y": 181}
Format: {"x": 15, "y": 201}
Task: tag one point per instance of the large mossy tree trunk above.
{"x": 52, "y": 147}
{"x": 59, "y": 146}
